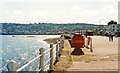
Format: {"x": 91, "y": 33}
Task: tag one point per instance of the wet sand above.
{"x": 51, "y": 40}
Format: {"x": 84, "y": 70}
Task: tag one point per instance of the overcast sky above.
{"x": 59, "y": 11}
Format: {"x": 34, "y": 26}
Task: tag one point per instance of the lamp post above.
{"x": 101, "y": 21}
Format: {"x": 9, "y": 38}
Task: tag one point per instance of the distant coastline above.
{"x": 48, "y": 28}
{"x": 51, "y": 40}
{"x": 30, "y": 34}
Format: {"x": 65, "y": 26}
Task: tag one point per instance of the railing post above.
{"x": 87, "y": 43}
{"x": 62, "y": 43}
{"x": 51, "y": 56}
{"x": 84, "y": 41}
{"x": 57, "y": 50}
{"x": 41, "y": 59}
{"x": 91, "y": 45}
{"x": 62, "y": 39}
{"x": 59, "y": 47}
{"x": 12, "y": 66}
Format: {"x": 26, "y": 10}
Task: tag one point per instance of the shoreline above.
{"x": 51, "y": 40}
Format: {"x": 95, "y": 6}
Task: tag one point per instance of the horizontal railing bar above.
{"x": 47, "y": 50}
{"x": 54, "y": 54}
{"x": 47, "y": 62}
{"x": 39, "y": 69}
{"x": 54, "y": 45}
{"x": 54, "y": 58}
{"x": 47, "y": 66}
{"x": 24, "y": 66}
{"x": 58, "y": 42}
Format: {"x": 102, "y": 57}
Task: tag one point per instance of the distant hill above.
{"x": 47, "y": 28}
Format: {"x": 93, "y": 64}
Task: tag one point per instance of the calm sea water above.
{"x": 22, "y": 49}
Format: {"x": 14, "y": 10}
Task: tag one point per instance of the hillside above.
{"x": 47, "y": 28}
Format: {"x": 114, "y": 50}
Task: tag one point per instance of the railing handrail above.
{"x": 47, "y": 62}
{"x": 41, "y": 56}
{"x": 24, "y": 66}
{"x": 47, "y": 50}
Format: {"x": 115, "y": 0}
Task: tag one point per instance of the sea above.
{"x": 22, "y": 49}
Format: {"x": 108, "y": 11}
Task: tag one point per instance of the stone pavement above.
{"x": 103, "y": 58}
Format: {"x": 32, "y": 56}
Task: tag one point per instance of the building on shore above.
{"x": 89, "y": 32}
{"x": 115, "y": 28}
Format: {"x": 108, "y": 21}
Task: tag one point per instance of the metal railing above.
{"x": 54, "y": 56}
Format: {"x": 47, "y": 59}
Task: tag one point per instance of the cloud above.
{"x": 110, "y": 12}
{"x": 68, "y": 14}
{"x": 35, "y": 13}
{"x": 109, "y": 8}
{"x": 60, "y": 10}
{"x": 119, "y": 13}
{"x": 18, "y": 12}
{"x": 60, "y": 1}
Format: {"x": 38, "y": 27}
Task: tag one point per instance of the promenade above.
{"x": 103, "y": 58}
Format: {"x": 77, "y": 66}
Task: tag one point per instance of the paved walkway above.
{"x": 104, "y": 57}
{"x": 65, "y": 60}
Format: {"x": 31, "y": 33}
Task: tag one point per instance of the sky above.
{"x": 59, "y": 11}
{"x": 119, "y": 13}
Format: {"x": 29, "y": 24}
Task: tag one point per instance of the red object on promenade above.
{"x": 78, "y": 41}
{"x": 88, "y": 40}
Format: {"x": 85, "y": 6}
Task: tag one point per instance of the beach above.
{"x": 51, "y": 40}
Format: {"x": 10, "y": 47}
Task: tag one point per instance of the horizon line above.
{"x": 52, "y": 23}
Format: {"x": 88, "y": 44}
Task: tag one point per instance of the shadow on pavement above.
{"x": 78, "y": 52}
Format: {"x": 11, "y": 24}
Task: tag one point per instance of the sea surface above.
{"x": 22, "y": 49}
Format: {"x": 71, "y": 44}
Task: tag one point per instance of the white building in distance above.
{"x": 115, "y": 28}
